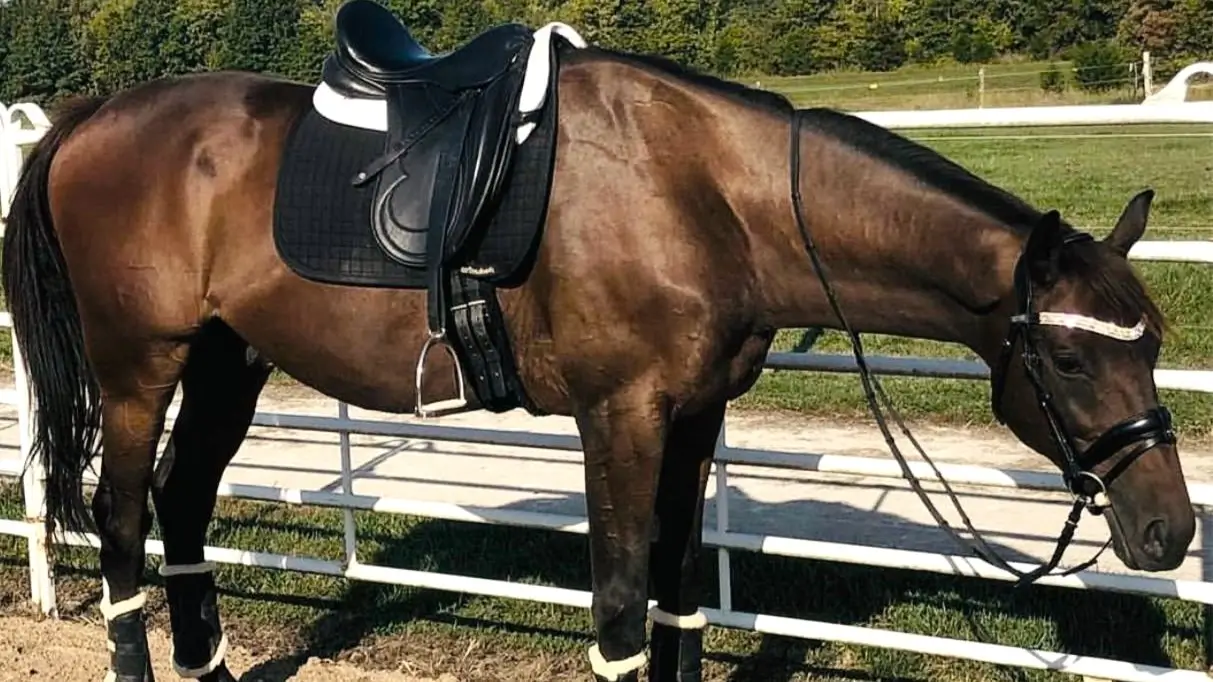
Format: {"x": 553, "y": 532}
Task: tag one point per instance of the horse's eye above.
{"x": 1067, "y": 364}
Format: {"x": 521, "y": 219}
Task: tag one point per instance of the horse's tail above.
{"x": 64, "y": 393}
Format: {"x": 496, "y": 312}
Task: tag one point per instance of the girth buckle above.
{"x": 441, "y": 407}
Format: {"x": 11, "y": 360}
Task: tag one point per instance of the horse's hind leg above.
{"x": 219, "y": 386}
{"x": 137, "y": 386}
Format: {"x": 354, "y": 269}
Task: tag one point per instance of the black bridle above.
{"x": 1146, "y": 431}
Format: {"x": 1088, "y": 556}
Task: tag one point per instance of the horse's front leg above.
{"x": 623, "y": 438}
{"x": 677, "y": 639}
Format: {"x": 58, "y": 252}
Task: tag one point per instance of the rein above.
{"x": 1148, "y": 430}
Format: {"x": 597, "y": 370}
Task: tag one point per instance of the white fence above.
{"x": 14, "y": 132}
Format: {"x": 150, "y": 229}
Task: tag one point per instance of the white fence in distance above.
{"x": 24, "y": 124}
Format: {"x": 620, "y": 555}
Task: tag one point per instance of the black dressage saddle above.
{"x": 452, "y": 122}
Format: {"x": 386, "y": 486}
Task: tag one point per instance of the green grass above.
{"x": 282, "y": 613}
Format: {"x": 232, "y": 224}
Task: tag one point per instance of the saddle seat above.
{"x": 374, "y": 51}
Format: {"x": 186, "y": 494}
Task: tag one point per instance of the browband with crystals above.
{"x": 1090, "y": 324}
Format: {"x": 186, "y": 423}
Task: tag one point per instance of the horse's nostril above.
{"x": 1154, "y": 540}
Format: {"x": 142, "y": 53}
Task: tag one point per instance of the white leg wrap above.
{"x": 212, "y": 666}
{"x": 110, "y": 676}
{"x": 695, "y": 621}
{"x": 111, "y": 611}
{"x": 611, "y": 670}
{"x": 187, "y": 569}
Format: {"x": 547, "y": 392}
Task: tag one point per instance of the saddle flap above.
{"x": 418, "y": 196}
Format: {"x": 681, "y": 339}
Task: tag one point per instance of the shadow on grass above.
{"x": 1080, "y": 622}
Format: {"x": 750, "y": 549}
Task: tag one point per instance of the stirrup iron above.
{"x": 441, "y": 407}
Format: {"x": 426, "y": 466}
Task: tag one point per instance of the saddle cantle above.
{"x": 374, "y": 50}
{"x": 451, "y": 125}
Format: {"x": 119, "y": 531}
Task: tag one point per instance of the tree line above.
{"x": 52, "y": 48}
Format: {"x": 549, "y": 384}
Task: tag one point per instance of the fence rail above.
{"x": 24, "y": 124}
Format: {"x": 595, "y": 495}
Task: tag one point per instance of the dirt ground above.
{"x": 74, "y": 651}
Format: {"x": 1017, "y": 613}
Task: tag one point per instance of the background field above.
{"x": 1011, "y": 82}
{"x": 1088, "y": 173}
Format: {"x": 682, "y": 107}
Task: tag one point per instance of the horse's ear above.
{"x": 1043, "y": 251}
{"x": 1132, "y": 223}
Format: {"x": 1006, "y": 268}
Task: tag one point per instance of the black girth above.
{"x": 1147, "y": 430}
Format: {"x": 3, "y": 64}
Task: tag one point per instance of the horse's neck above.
{"x": 903, "y": 260}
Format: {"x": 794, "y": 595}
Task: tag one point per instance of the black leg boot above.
{"x": 127, "y": 634}
{"x": 199, "y": 645}
{"x": 677, "y": 654}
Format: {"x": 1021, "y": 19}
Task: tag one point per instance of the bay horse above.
{"x": 689, "y": 218}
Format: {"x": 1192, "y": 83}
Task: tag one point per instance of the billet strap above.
{"x": 695, "y": 621}
{"x": 210, "y": 667}
{"x": 613, "y": 670}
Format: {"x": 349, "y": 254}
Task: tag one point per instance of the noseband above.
{"x": 1146, "y": 430}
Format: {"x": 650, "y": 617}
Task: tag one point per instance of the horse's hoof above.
{"x": 633, "y": 676}
{"x": 220, "y": 674}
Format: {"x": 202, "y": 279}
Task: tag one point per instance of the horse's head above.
{"x": 1075, "y": 381}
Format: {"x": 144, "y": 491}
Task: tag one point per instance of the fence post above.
{"x": 724, "y": 569}
{"x": 347, "y": 488}
{"x": 1147, "y": 73}
{"x": 981, "y": 88}
{"x": 7, "y": 180}
{"x": 1206, "y": 575}
{"x": 41, "y": 572}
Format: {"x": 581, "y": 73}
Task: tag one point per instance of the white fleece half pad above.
{"x": 371, "y": 114}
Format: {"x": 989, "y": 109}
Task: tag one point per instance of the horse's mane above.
{"x": 1124, "y": 293}
{"x": 925, "y": 165}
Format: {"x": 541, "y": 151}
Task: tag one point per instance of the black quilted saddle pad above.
{"x": 322, "y": 222}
